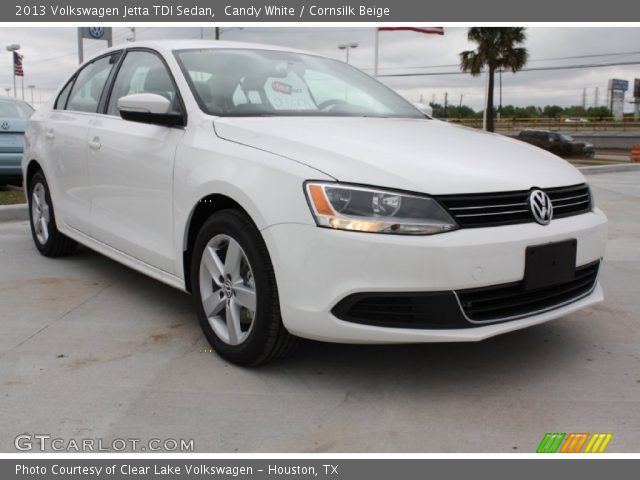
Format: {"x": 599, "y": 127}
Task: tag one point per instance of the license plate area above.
{"x": 550, "y": 264}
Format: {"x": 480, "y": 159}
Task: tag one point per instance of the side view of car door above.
{"x": 65, "y": 138}
{"x": 131, "y": 166}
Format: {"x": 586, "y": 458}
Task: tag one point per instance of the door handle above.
{"x": 49, "y": 134}
{"x": 95, "y": 144}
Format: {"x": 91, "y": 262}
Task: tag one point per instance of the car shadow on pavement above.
{"x": 532, "y": 351}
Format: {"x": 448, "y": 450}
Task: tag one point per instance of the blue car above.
{"x": 13, "y": 119}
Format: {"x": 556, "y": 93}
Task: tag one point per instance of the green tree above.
{"x": 497, "y": 49}
{"x": 552, "y": 111}
{"x": 598, "y": 112}
{"x": 575, "y": 111}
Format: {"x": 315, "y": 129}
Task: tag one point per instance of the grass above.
{"x": 11, "y": 195}
{"x": 595, "y": 161}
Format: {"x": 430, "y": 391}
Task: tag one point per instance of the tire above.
{"x": 49, "y": 241}
{"x": 230, "y": 247}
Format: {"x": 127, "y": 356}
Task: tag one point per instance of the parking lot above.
{"x": 91, "y": 349}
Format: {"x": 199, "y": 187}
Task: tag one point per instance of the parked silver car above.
{"x": 13, "y": 118}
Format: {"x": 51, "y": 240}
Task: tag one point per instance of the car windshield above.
{"x": 245, "y": 82}
{"x": 566, "y": 137}
{"x": 15, "y": 110}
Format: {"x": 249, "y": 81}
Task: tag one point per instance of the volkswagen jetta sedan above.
{"x": 294, "y": 196}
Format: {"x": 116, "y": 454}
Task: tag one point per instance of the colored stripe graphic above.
{"x": 574, "y": 443}
{"x": 598, "y": 443}
{"x": 550, "y": 442}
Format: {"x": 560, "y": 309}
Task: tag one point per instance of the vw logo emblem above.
{"x": 96, "y": 32}
{"x": 227, "y": 288}
{"x": 541, "y": 207}
{"x": 5, "y": 125}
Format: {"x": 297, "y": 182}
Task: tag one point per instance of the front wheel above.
{"x": 49, "y": 241}
{"x": 235, "y": 292}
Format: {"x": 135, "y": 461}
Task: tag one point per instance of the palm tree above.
{"x": 496, "y": 50}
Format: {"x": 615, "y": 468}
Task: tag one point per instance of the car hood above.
{"x": 426, "y": 156}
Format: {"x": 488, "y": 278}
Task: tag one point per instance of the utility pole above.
{"x": 584, "y": 98}
{"x": 446, "y": 97}
{"x": 596, "y": 100}
{"x": 460, "y": 105}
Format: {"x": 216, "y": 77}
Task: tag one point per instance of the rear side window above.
{"x": 61, "y": 101}
{"x": 87, "y": 89}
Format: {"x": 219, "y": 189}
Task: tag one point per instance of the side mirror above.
{"x": 149, "y": 108}
{"x": 426, "y": 109}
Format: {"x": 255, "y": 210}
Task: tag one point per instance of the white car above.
{"x": 294, "y": 196}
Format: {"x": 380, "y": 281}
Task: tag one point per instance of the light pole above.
{"x": 12, "y": 47}
{"x": 347, "y": 47}
{"x": 132, "y": 38}
{"x": 31, "y": 87}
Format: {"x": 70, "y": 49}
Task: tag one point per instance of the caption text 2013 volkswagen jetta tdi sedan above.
{"x": 295, "y": 196}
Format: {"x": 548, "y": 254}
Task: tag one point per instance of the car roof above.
{"x": 168, "y": 46}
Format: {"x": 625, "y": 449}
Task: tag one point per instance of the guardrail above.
{"x": 555, "y": 124}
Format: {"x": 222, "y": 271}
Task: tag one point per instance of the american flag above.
{"x": 433, "y": 30}
{"x": 17, "y": 65}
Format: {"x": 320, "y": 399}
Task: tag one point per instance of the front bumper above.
{"x": 11, "y": 165}
{"x": 316, "y": 268}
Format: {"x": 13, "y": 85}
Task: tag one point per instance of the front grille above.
{"x": 509, "y": 301}
{"x": 508, "y": 208}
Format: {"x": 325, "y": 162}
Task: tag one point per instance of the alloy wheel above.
{"x": 40, "y": 214}
{"x": 227, "y": 289}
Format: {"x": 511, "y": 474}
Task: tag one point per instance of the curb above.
{"x": 10, "y": 213}
{"x": 593, "y": 170}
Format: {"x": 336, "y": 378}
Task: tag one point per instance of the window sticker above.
{"x": 289, "y": 93}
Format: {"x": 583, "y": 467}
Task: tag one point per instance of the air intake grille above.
{"x": 508, "y": 208}
{"x": 503, "y": 302}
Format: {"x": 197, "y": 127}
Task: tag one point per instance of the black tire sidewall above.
{"x": 53, "y": 230}
{"x": 240, "y": 228}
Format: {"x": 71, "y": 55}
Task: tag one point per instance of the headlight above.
{"x": 362, "y": 209}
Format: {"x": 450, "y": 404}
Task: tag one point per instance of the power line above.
{"x": 575, "y": 57}
{"x": 532, "y": 69}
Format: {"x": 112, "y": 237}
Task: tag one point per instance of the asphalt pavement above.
{"x": 92, "y": 350}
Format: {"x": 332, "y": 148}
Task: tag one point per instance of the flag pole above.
{"x": 22, "y": 81}
{"x": 376, "y": 51}
{"x": 15, "y": 89}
